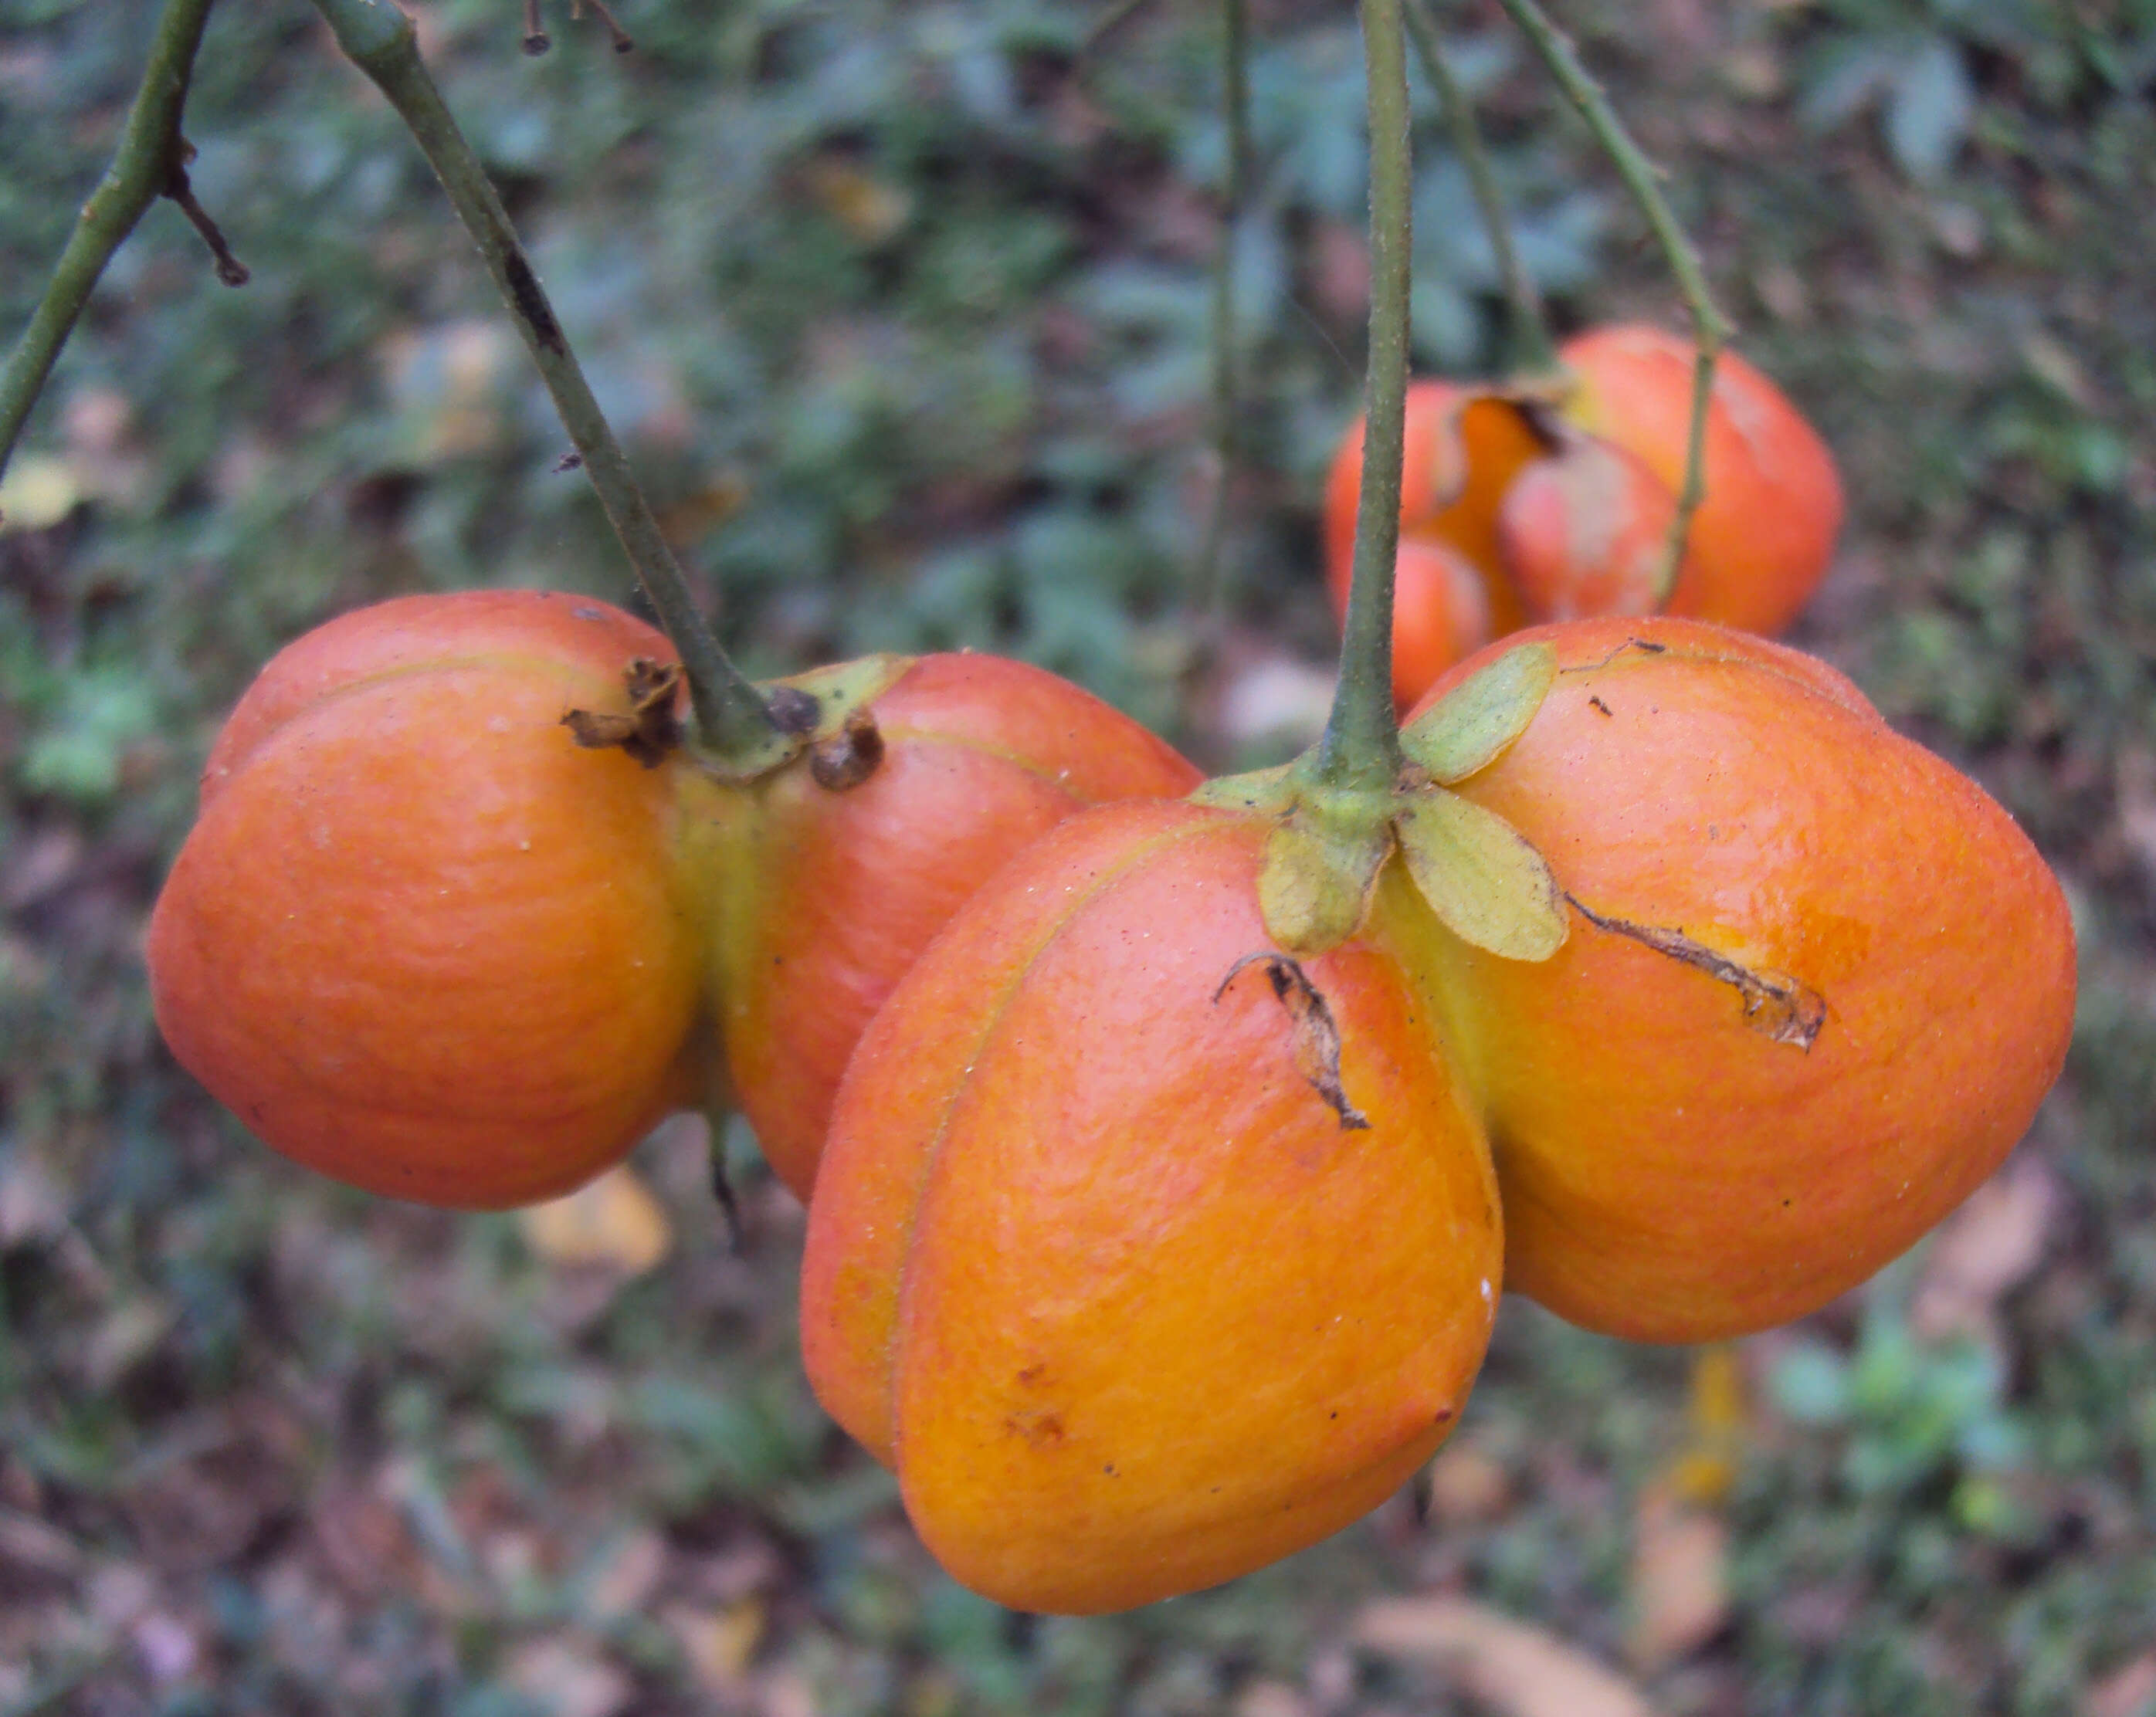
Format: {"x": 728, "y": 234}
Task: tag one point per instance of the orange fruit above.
{"x": 1129, "y": 1302}
{"x": 417, "y": 938}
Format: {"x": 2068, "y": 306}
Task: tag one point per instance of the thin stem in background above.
{"x": 378, "y": 38}
{"x": 1531, "y": 347}
{"x": 1235, "y": 113}
{"x": 1119, "y": 14}
{"x": 1362, "y": 746}
{"x": 150, "y": 161}
{"x": 1711, "y": 329}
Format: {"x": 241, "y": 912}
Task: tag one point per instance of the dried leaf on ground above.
{"x": 718, "y": 1644}
{"x": 614, "y": 1222}
{"x": 1516, "y": 1669}
{"x": 1986, "y": 1249}
{"x": 567, "y": 1677}
{"x": 1467, "y": 1486}
{"x": 1680, "y": 1583}
{"x": 2127, "y": 1692}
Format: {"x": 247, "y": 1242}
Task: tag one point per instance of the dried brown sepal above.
{"x": 1317, "y": 1036}
{"x": 1782, "y": 1009}
{"x": 850, "y": 756}
{"x": 653, "y": 727}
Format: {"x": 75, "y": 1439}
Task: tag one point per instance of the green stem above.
{"x": 1531, "y": 346}
{"x": 1362, "y": 743}
{"x": 143, "y": 168}
{"x": 378, "y": 38}
{"x": 1118, "y": 14}
{"x": 1235, "y": 111}
{"x": 1711, "y": 329}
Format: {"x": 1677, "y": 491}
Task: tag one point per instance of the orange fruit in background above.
{"x": 1585, "y": 531}
{"x": 1462, "y": 450}
{"x": 1555, "y": 499}
{"x": 1096, "y": 1264}
{"x": 830, "y": 896}
{"x": 1765, "y": 529}
{"x": 419, "y": 939}
{"x": 1816, "y": 984}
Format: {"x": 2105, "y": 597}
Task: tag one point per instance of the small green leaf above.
{"x": 1315, "y": 886}
{"x": 1471, "y": 726}
{"x": 1481, "y": 878}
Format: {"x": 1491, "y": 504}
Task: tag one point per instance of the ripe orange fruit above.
{"x": 1816, "y": 984}
{"x": 1561, "y": 504}
{"x": 1765, "y": 529}
{"x": 419, "y": 939}
{"x": 829, "y": 896}
{"x": 1129, "y": 1302}
{"x": 1585, "y": 531}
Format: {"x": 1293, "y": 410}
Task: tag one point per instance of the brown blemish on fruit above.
{"x": 850, "y": 756}
{"x": 1316, "y": 1037}
{"x": 650, "y": 730}
{"x": 1041, "y": 1430}
{"x": 1787, "y": 1010}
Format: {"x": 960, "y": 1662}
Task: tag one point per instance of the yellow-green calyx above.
{"x": 823, "y": 713}
{"x": 1481, "y": 876}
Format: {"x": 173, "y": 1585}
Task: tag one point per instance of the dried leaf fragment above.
{"x": 614, "y": 1222}
{"x": 1470, "y": 727}
{"x": 1482, "y": 877}
{"x": 1679, "y": 1582}
{"x": 1514, "y": 1668}
{"x": 653, "y": 726}
{"x": 1784, "y": 1009}
{"x": 1317, "y": 1036}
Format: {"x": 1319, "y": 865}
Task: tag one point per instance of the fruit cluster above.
{"x": 432, "y": 939}
{"x": 1169, "y": 1149}
{"x": 1535, "y": 501}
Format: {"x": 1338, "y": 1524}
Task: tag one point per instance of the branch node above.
{"x": 230, "y": 270}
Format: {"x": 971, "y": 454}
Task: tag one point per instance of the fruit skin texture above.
{"x": 829, "y": 897}
{"x": 1765, "y": 529}
{"x": 1671, "y": 1172}
{"x": 1461, "y": 451}
{"x": 417, "y": 939}
{"x": 1096, "y": 1267}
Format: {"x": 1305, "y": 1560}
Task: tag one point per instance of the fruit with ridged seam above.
{"x": 1145, "y": 1254}
{"x": 418, "y": 938}
{"x": 1816, "y": 983}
